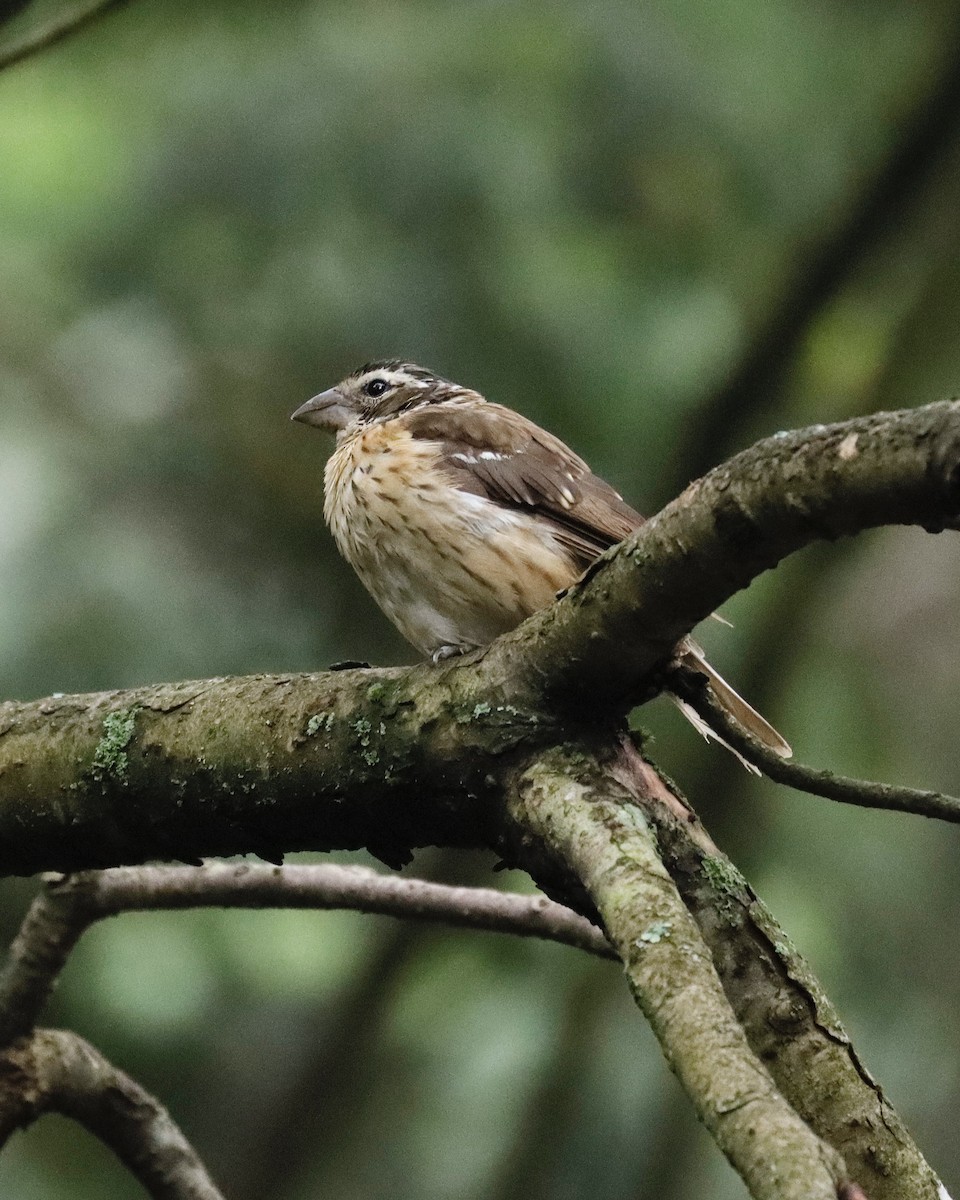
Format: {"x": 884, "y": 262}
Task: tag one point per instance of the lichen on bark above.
{"x": 519, "y": 747}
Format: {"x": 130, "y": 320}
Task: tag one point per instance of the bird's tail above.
{"x": 736, "y": 706}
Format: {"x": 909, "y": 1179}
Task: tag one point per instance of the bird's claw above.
{"x": 444, "y": 652}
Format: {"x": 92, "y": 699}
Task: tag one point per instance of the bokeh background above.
{"x": 662, "y": 229}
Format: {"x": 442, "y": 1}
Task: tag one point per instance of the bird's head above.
{"x": 376, "y": 392}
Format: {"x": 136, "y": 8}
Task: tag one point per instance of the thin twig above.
{"x": 57, "y": 1071}
{"x": 56, "y": 31}
{"x": 328, "y": 886}
{"x": 70, "y": 904}
{"x": 692, "y": 687}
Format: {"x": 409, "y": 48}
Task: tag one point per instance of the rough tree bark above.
{"x": 521, "y": 747}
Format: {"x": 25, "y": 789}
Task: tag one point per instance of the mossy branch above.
{"x": 601, "y": 643}
{"x": 517, "y": 748}
{"x": 591, "y": 820}
{"x": 395, "y": 759}
{"x": 789, "y": 1021}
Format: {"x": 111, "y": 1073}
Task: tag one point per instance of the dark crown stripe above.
{"x": 397, "y": 364}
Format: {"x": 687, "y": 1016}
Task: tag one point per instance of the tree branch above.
{"x": 788, "y": 1020}
{"x": 70, "y": 904}
{"x": 690, "y": 686}
{"x": 589, "y": 820}
{"x": 56, "y": 1071}
{"x": 266, "y": 764}
{"x": 57, "y": 31}
{"x": 274, "y": 763}
{"x": 603, "y": 640}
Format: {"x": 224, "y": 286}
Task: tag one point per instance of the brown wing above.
{"x": 494, "y": 452}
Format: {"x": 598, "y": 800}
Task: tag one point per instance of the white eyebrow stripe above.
{"x": 396, "y": 379}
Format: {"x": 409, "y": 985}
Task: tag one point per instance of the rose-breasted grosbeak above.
{"x": 462, "y": 518}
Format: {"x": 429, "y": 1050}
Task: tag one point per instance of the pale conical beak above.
{"x": 326, "y": 411}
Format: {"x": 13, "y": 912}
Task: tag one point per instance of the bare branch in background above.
{"x": 71, "y": 904}
{"x": 56, "y": 31}
{"x": 328, "y": 886}
{"x": 57, "y": 1071}
{"x": 824, "y": 269}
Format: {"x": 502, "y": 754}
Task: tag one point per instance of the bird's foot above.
{"x": 444, "y": 652}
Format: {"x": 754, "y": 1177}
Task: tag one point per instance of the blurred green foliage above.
{"x": 209, "y": 212}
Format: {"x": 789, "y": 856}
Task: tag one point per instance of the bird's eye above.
{"x": 376, "y": 387}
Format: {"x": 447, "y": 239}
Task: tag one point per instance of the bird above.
{"x": 462, "y": 517}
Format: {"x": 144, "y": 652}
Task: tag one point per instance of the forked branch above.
{"x": 69, "y": 905}
{"x": 590, "y": 820}
{"x": 330, "y": 761}
{"x": 515, "y": 748}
